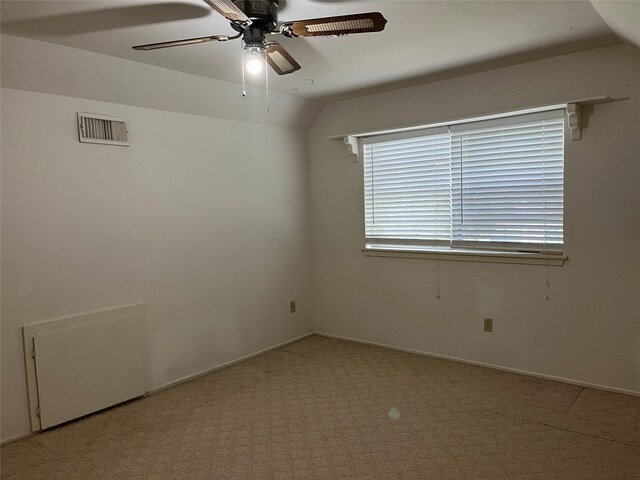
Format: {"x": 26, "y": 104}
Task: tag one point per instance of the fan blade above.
{"x": 186, "y": 41}
{"x": 343, "y": 25}
{"x": 280, "y": 60}
{"x": 228, "y": 10}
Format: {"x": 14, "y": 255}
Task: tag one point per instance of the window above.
{"x": 485, "y": 185}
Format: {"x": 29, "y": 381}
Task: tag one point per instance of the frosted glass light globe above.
{"x": 254, "y": 66}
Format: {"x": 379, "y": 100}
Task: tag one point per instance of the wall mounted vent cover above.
{"x": 102, "y": 129}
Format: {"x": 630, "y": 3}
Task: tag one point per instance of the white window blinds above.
{"x": 407, "y": 188}
{"x": 495, "y": 184}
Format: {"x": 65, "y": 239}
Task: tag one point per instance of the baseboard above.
{"x": 487, "y": 365}
{"x": 193, "y": 376}
{"x": 17, "y": 437}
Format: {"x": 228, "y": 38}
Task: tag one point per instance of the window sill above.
{"x": 486, "y": 256}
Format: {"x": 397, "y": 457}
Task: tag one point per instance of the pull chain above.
{"x": 266, "y": 77}
{"x": 244, "y": 91}
{"x": 546, "y": 283}
{"x": 437, "y": 275}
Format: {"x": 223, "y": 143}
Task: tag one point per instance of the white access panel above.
{"x": 88, "y": 367}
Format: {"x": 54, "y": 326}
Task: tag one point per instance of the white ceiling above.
{"x": 622, "y": 17}
{"x": 423, "y": 40}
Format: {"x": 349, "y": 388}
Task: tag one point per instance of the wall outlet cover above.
{"x": 488, "y": 324}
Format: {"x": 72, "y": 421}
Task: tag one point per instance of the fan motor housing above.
{"x": 264, "y": 18}
{"x": 265, "y": 11}
{"x": 254, "y": 36}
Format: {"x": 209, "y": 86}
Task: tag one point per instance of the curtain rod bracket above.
{"x": 574, "y": 120}
{"x": 352, "y": 144}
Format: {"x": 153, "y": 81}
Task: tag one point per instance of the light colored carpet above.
{"x": 321, "y": 408}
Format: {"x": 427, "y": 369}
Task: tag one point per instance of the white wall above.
{"x": 203, "y": 219}
{"x": 589, "y": 331}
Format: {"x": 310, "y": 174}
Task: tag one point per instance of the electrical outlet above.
{"x": 488, "y": 324}
{"x": 292, "y": 306}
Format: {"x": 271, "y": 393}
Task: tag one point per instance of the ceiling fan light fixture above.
{"x": 254, "y": 58}
{"x": 254, "y": 49}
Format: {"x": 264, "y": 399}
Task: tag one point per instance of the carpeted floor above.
{"x": 325, "y": 408}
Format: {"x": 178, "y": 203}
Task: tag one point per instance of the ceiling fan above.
{"x": 255, "y": 19}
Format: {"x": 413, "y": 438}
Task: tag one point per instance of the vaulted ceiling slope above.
{"x": 623, "y": 17}
{"x": 423, "y": 40}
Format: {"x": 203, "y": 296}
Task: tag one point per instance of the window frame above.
{"x": 553, "y": 254}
